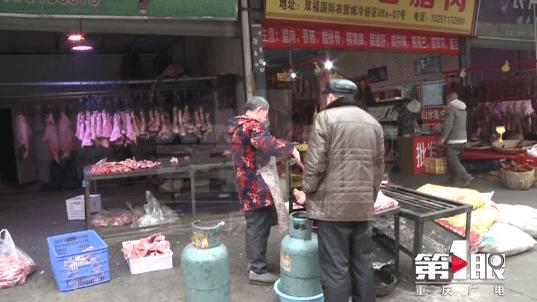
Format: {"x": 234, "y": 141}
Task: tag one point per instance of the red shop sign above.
{"x": 284, "y": 36}
{"x": 433, "y": 119}
{"x": 423, "y": 148}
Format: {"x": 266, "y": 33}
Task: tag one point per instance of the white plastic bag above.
{"x": 505, "y": 238}
{"x": 521, "y": 216}
{"x": 15, "y": 265}
{"x": 270, "y": 175}
{"x": 533, "y": 151}
{"x": 155, "y": 213}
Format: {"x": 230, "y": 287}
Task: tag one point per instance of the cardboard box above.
{"x": 150, "y": 263}
{"x": 437, "y": 166}
{"x": 76, "y": 209}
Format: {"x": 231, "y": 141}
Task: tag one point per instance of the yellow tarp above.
{"x": 482, "y": 219}
{"x": 467, "y": 196}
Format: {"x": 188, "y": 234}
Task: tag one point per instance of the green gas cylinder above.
{"x": 299, "y": 259}
{"x": 205, "y": 265}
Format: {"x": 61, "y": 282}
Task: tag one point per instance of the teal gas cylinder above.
{"x": 299, "y": 259}
{"x": 205, "y": 265}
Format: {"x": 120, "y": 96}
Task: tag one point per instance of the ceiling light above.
{"x": 75, "y": 37}
{"x": 82, "y": 47}
{"x": 328, "y": 65}
{"x": 293, "y": 75}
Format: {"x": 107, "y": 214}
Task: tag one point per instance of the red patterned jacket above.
{"x": 251, "y": 147}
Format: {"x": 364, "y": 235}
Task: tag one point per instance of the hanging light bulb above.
{"x": 78, "y": 40}
{"x": 292, "y": 74}
{"x": 506, "y": 67}
{"x": 75, "y": 37}
{"x": 82, "y": 47}
{"x": 328, "y": 65}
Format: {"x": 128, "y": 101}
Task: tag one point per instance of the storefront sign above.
{"x": 445, "y": 16}
{"x": 423, "y": 148}
{"x": 507, "y": 19}
{"x": 283, "y": 35}
{"x": 433, "y": 119}
{"x": 191, "y": 9}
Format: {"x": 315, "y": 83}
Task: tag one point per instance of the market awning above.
{"x": 184, "y": 18}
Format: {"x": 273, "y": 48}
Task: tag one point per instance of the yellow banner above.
{"x": 445, "y": 16}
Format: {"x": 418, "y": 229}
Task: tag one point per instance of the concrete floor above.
{"x": 31, "y": 217}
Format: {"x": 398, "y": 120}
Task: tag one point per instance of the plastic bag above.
{"x": 15, "y": 265}
{"x": 155, "y": 213}
{"x": 505, "y": 238}
{"x": 270, "y": 175}
{"x": 384, "y": 202}
{"x": 521, "y": 216}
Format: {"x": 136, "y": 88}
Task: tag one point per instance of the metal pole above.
{"x": 246, "y": 49}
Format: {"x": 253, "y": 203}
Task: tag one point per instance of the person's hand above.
{"x": 296, "y": 156}
{"x": 300, "y": 196}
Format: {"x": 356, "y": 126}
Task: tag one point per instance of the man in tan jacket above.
{"x": 343, "y": 170}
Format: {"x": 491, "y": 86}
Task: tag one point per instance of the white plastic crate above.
{"x": 75, "y": 206}
{"x": 150, "y": 263}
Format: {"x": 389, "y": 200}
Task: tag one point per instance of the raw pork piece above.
{"x": 65, "y": 135}
{"x": 107, "y": 125}
{"x": 51, "y": 138}
{"x": 93, "y": 125}
{"x": 124, "y": 119}
{"x": 175, "y": 123}
{"x": 165, "y": 131}
{"x": 202, "y": 120}
{"x": 115, "y": 136}
{"x": 135, "y": 123}
{"x": 187, "y": 119}
{"x": 151, "y": 122}
{"x": 86, "y": 140}
{"x": 182, "y": 131}
{"x": 129, "y": 129}
{"x": 208, "y": 122}
{"x": 98, "y": 124}
{"x": 197, "y": 122}
{"x": 80, "y": 126}
{"x": 143, "y": 125}
{"x": 24, "y": 134}
{"x": 153, "y": 245}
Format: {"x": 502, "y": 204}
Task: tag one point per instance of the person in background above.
{"x": 343, "y": 170}
{"x": 454, "y": 135}
{"x": 252, "y": 146}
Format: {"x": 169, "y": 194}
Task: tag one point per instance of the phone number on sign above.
{"x": 58, "y": 2}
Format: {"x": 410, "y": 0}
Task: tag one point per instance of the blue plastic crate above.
{"x": 78, "y": 260}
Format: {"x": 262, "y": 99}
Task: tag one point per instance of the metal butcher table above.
{"x": 189, "y": 167}
{"x": 421, "y": 208}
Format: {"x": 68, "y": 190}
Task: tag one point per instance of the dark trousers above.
{"x": 457, "y": 172}
{"x": 345, "y": 254}
{"x": 258, "y": 224}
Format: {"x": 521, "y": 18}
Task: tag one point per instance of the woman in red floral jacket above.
{"x": 251, "y": 147}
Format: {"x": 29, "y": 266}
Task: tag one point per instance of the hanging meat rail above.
{"x": 108, "y": 88}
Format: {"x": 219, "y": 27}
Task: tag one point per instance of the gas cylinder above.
{"x": 205, "y": 265}
{"x": 299, "y": 259}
